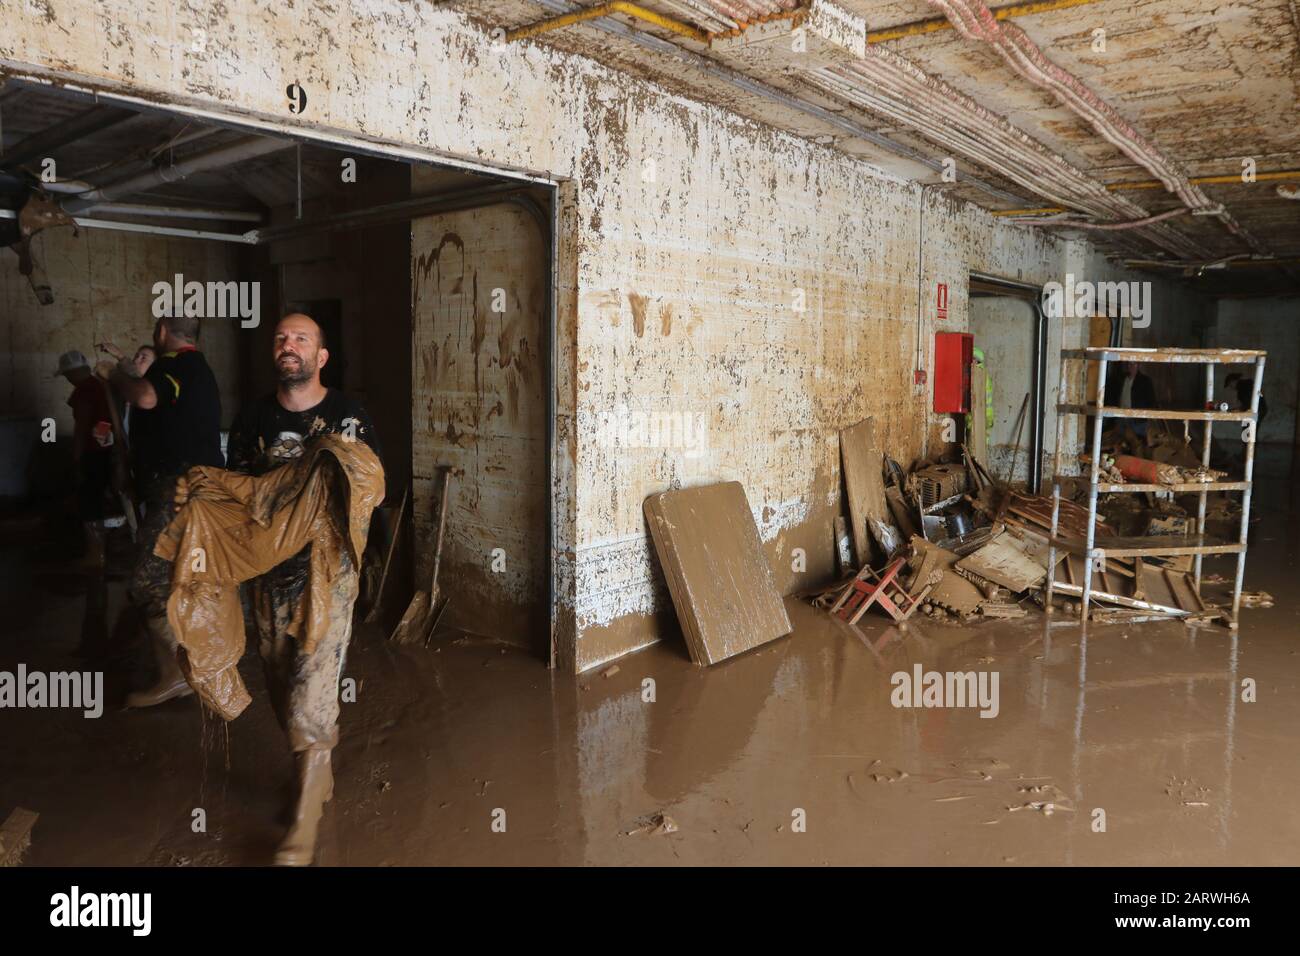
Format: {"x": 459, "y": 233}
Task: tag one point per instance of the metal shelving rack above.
{"x": 1163, "y": 545}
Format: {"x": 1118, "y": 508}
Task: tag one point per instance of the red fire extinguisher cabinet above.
{"x": 953, "y": 353}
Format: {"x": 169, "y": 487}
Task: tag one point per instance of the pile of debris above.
{"x": 947, "y": 539}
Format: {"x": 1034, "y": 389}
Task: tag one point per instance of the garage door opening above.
{"x": 433, "y": 286}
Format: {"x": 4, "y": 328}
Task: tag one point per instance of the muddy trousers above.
{"x": 304, "y": 688}
{"x": 151, "y": 578}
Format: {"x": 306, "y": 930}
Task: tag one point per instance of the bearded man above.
{"x": 304, "y": 688}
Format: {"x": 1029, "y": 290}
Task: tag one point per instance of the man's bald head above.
{"x": 298, "y": 350}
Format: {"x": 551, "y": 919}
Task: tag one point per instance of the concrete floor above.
{"x": 1143, "y": 721}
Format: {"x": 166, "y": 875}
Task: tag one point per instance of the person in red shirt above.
{"x": 92, "y": 449}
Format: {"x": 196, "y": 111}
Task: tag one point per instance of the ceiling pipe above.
{"x": 975, "y": 21}
{"x": 938, "y": 24}
{"x": 718, "y": 71}
{"x": 60, "y": 134}
{"x": 1228, "y": 179}
{"x": 390, "y": 212}
{"x": 633, "y": 10}
{"x": 248, "y": 147}
{"x": 1199, "y": 266}
{"x": 178, "y": 212}
{"x": 883, "y": 82}
{"x": 114, "y": 226}
{"x": 1104, "y": 226}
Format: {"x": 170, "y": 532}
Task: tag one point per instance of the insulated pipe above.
{"x": 248, "y": 147}
{"x": 178, "y": 212}
{"x": 922, "y": 27}
{"x": 1104, "y": 226}
{"x": 1229, "y": 179}
{"x": 975, "y": 21}
{"x": 754, "y": 87}
{"x": 892, "y": 86}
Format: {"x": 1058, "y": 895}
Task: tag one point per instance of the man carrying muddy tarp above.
{"x": 178, "y": 397}
{"x": 304, "y": 686}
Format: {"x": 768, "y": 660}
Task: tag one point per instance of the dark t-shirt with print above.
{"x": 266, "y": 434}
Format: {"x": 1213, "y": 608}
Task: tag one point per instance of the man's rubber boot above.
{"x": 171, "y": 682}
{"x": 315, "y": 788}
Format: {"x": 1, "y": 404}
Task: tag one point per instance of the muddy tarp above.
{"x": 232, "y": 527}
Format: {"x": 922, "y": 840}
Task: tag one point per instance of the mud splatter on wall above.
{"x": 790, "y": 269}
{"x": 478, "y": 407}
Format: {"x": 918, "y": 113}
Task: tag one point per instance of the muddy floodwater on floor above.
{"x": 1135, "y": 744}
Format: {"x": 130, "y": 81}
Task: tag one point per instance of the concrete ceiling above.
{"x": 1206, "y": 83}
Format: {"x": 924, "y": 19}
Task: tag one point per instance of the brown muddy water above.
{"x": 792, "y": 754}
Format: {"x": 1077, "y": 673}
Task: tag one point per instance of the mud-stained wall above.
{"x": 729, "y": 296}
{"x": 478, "y": 291}
{"x": 103, "y": 290}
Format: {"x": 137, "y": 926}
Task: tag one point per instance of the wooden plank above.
{"x": 1173, "y": 414}
{"x": 722, "y": 587}
{"x": 1204, "y": 356}
{"x": 901, "y": 512}
{"x": 864, "y": 482}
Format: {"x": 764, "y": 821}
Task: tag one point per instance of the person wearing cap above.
{"x": 179, "y": 400}
{"x": 92, "y": 449}
{"x": 981, "y": 403}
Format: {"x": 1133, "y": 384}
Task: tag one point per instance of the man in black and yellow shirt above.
{"x": 180, "y": 404}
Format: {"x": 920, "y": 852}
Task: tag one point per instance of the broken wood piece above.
{"x": 424, "y": 611}
{"x": 865, "y": 485}
{"x": 1005, "y": 560}
{"x": 373, "y": 614}
{"x": 901, "y": 511}
{"x": 16, "y": 835}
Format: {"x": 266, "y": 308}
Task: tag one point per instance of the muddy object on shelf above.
{"x": 719, "y": 579}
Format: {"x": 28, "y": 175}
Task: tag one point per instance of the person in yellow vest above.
{"x": 986, "y": 400}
